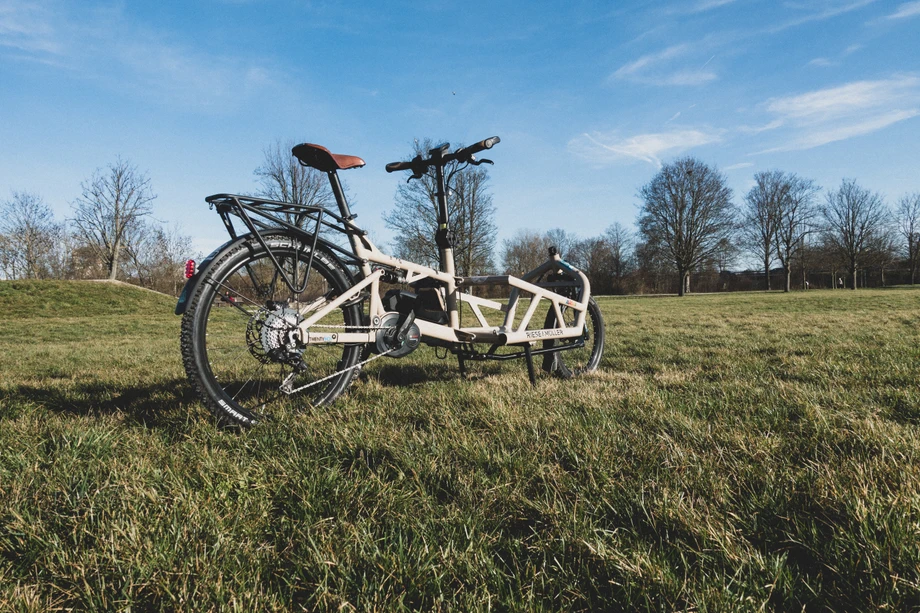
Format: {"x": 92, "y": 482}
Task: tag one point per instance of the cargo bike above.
{"x": 284, "y": 314}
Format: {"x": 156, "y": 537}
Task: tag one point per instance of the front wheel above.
{"x": 584, "y": 358}
{"x": 239, "y": 345}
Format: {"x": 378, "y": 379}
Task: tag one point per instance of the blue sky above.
{"x": 589, "y": 98}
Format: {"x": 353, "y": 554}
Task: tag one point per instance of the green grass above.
{"x": 734, "y": 452}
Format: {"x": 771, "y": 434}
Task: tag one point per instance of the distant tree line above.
{"x": 691, "y": 233}
{"x": 110, "y": 234}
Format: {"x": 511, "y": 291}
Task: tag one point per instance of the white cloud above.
{"x": 185, "y": 76}
{"x": 700, "y": 6}
{"x": 845, "y": 100}
{"x": 707, "y": 5}
{"x": 776, "y": 123}
{"x": 646, "y": 147}
{"x": 651, "y": 59}
{"x": 831, "y": 134}
{"x": 104, "y": 45}
{"x": 655, "y": 69}
{"x": 838, "y": 113}
{"x": 825, "y": 10}
{"x": 908, "y": 9}
{"x": 824, "y": 62}
{"x": 685, "y": 77}
{"x": 739, "y": 166}
{"x": 821, "y": 62}
{"x": 27, "y": 27}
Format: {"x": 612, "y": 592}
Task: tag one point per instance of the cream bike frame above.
{"x": 283, "y": 334}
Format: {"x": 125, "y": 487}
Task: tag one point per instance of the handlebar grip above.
{"x": 489, "y": 142}
{"x": 482, "y": 145}
{"x": 394, "y": 166}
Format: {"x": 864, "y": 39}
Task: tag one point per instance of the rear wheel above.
{"x": 237, "y": 343}
{"x": 569, "y": 363}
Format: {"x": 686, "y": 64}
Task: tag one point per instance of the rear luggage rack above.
{"x": 261, "y": 214}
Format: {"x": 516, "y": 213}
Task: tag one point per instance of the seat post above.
{"x": 339, "y": 194}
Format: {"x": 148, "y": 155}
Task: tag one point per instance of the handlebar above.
{"x": 419, "y": 165}
{"x": 477, "y": 147}
{"x": 394, "y": 166}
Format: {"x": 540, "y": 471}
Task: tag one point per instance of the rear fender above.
{"x": 192, "y": 284}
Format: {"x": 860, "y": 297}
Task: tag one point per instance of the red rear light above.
{"x": 190, "y": 269}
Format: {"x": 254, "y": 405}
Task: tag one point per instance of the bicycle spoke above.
{"x": 233, "y": 303}
{"x": 258, "y": 370}
{"x": 252, "y": 354}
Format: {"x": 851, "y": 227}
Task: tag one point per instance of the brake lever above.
{"x": 476, "y": 162}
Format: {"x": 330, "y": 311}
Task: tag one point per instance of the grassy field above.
{"x": 734, "y": 453}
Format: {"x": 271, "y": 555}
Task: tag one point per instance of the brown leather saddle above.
{"x": 322, "y": 159}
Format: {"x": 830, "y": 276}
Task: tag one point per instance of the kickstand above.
{"x": 462, "y": 363}
{"x": 529, "y": 358}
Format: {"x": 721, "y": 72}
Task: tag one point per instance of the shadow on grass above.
{"x": 404, "y": 375}
{"x": 152, "y": 406}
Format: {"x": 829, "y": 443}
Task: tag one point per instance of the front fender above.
{"x": 192, "y": 284}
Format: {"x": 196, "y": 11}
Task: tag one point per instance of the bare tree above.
{"x": 469, "y": 208}
{"x": 621, "y": 244}
{"x": 653, "y": 267}
{"x": 883, "y": 251}
{"x": 8, "y": 260}
{"x": 687, "y": 209}
{"x": 796, "y": 213}
{"x": 113, "y": 202}
{"x": 592, "y": 256}
{"x": 155, "y": 256}
{"x": 606, "y": 259}
{"x": 30, "y": 238}
{"x": 85, "y": 261}
{"x": 760, "y": 216}
{"x": 908, "y": 218}
{"x": 725, "y": 255}
{"x": 560, "y": 239}
{"x": 524, "y": 251}
{"x": 282, "y": 177}
{"x": 139, "y": 247}
{"x": 855, "y": 224}
{"x": 473, "y": 222}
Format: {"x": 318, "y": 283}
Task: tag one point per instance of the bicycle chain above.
{"x": 287, "y": 379}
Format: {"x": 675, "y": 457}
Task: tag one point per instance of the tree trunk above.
{"x": 788, "y": 280}
{"x": 854, "y": 277}
{"x": 687, "y": 279}
{"x": 113, "y": 264}
{"x": 681, "y": 278}
{"x": 766, "y": 272}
